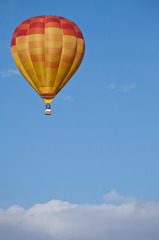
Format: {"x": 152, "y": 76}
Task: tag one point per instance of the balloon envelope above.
{"x": 47, "y": 50}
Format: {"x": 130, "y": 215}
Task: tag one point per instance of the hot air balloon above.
{"x": 47, "y": 50}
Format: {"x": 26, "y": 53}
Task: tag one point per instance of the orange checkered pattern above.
{"x": 47, "y": 50}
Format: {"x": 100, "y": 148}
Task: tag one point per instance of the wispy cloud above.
{"x": 128, "y": 88}
{"x": 60, "y": 220}
{"x": 114, "y": 197}
{"x": 68, "y": 98}
{"x": 9, "y": 73}
{"x": 112, "y": 86}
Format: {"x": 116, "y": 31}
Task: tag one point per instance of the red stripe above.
{"x": 79, "y": 35}
{"x": 22, "y": 32}
{"x": 13, "y": 42}
{"x": 37, "y": 24}
{"x": 16, "y": 30}
{"x": 73, "y": 23}
{"x": 67, "y": 26}
{"x": 52, "y": 20}
{"x": 36, "y": 31}
{"x": 61, "y": 18}
{"x": 69, "y": 32}
{"x": 27, "y": 21}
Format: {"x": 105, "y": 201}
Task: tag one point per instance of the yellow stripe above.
{"x": 35, "y": 51}
{"x": 23, "y": 71}
{"x": 39, "y": 64}
{"x": 80, "y": 41}
{"x": 13, "y": 49}
{"x": 22, "y": 46}
{"x": 69, "y": 52}
{"x": 28, "y": 66}
{"x": 21, "y": 39}
{"x": 47, "y": 100}
{"x": 36, "y": 37}
{"x": 40, "y": 70}
{"x": 45, "y": 90}
{"x": 51, "y": 71}
{"x": 65, "y": 51}
{"x": 67, "y": 38}
{"x": 51, "y": 78}
{"x": 53, "y": 58}
{"x": 25, "y": 59}
{"x": 15, "y": 55}
{"x": 63, "y": 67}
{"x": 41, "y": 81}
{"x": 80, "y": 48}
{"x": 52, "y": 30}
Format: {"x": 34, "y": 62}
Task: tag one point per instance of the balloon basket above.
{"x": 48, "y": 109}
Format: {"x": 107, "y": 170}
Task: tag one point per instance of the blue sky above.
{"x": 103, "y": 133}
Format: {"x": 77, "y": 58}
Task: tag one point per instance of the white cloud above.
{"x": 9, "y": 72}
{"x": 112, "y": 86}
{"x": 58, "y": 220}
{"x": 128, "y": 88}
{"x": 113, "y": 196}
{"x": 68, "y": 98}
